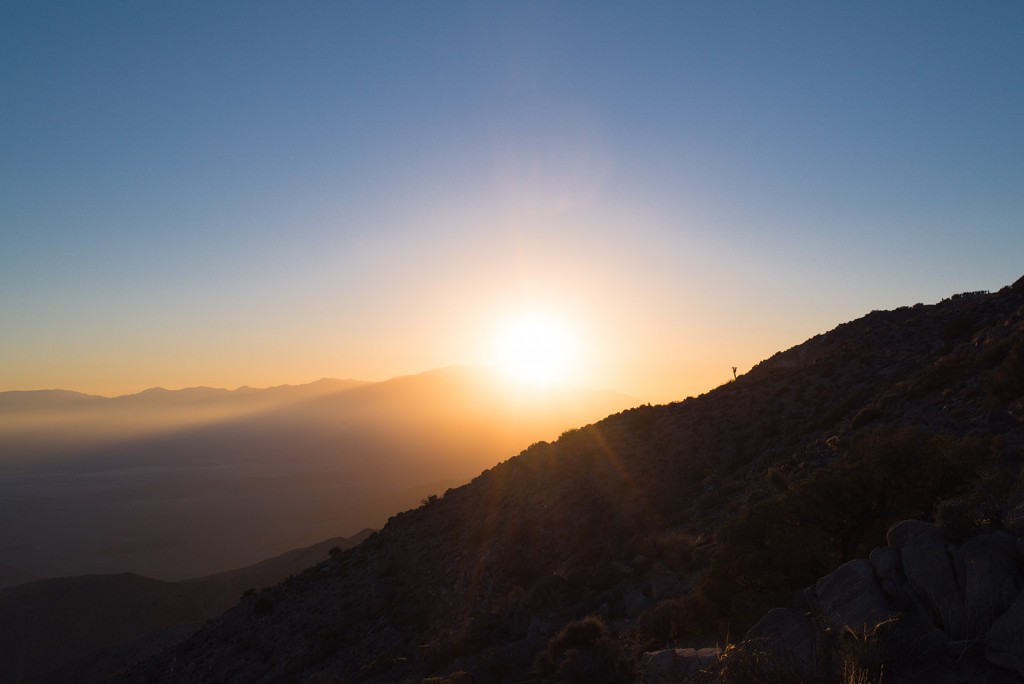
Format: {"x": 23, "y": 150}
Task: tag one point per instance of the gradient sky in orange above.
{"x": 259, "y": 193}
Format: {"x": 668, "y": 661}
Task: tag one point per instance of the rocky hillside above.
{"x": 104, "y": 622}
{"x": 667, "y": 528}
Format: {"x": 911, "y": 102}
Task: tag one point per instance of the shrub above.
{"x": 845, "y": 657}
{"x": 580, "y": 634}
{"x": 866, "y": 415}
{"x": 677, "y": 620}
{"x": 582, "y": 653}
{"x": 263, "y": 605}
{"x": 977, "y": 509}
{"x": 1006, "y": 381}
{"x": 837, "y": 513}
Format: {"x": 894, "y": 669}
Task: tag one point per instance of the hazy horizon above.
{"x": 175, "y": 485}
{"x": 259, "y": 194}
{"x": 514, "y": 385}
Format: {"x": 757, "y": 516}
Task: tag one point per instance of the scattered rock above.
{"x": 634, "y": 602}
{"x": 852, "y": 596}
{"x": 1004, "y": 643}
{"x": 672, "y": 664}
{"x": 663, "y": 583}
{"x": 990, "y": 576}
{"x": 785, "y": 635}
{"x": 929, "y": 571}
{"x": 885, "y": 560}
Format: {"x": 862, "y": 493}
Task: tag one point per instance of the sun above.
{"x": 534, "y": 349}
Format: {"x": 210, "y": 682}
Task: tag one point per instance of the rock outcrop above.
{"x": 951, "y": 604}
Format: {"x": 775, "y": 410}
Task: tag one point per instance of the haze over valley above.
{"x": 177, "y": 484}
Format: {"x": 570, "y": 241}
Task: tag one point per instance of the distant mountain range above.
{"x": 181, "y": 483}
{"x": 755, "y": 515}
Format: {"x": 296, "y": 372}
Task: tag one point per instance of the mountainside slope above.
{"x": 73, "y": 623}
{"x": 675, "y": 524}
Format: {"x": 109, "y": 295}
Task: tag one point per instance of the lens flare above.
{"x": 534, "y": 349}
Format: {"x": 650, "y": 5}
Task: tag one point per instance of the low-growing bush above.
{"x": 837, "y": 513}
{"x": 682, "y": 619}
{"x": 584, "y": 653}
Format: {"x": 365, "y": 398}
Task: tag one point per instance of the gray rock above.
{"x": 933, "y": 677}
{"x": 929, "y": 572}
{"x": 1004, "y": 643}
{"x": 891, "y": 588}
{"x": 915, "y": 637}
{"x": 662, "y": 583}
{"x": 885, "y": 560}
{"x": 673, "y": 664}
{"x": 784, "y": 629}
{"x": 634, "y": 602}
{"x": 784, "y": 645}
{"x": 990, "y": 576}
{"x": 852, "y": 596}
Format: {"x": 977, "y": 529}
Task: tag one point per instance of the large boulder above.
{"x": 1004, "y": 643}
{"x": 674, "y": 664}
{"x": 784, "y": 645}
{"x": 886, "y": 562}
{"x": 851, "y": 596}
{"x": 989, "y": 573}
{"x": 928, "y": 568}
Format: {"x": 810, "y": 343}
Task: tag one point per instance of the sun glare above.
{"x": 534, "y": 349}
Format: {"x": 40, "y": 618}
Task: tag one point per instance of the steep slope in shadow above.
{"x": 617, "y": 518}
{"x": 94, "y": 625}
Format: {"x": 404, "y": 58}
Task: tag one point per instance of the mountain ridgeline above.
{"x": 629, "y": 543}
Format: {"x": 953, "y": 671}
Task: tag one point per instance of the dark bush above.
{"x": 263, "y": 605}
{"x": 583, "y": 652}
{"x": 866, "y": 415}
{"x": 977, "y": 509}
{"x": 580, "y": 634}
{"x": 682, "y": 619}
{"x": 838, "y": 513}
{"x": 958, "y": 328}
{"x": 1006, "y": 381}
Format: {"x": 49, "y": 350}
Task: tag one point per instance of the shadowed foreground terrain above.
{"x": 614, "y": 553}
{"x": 70, "y": 628}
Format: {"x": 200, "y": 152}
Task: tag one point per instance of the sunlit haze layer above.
{"x": 261, "y": 193}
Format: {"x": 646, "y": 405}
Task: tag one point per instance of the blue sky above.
{"x": 257, "y": 193}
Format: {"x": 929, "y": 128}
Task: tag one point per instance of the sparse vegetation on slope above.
{"x": 663, "y": 526}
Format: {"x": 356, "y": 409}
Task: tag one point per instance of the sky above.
{"x": 258, "y": 193}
